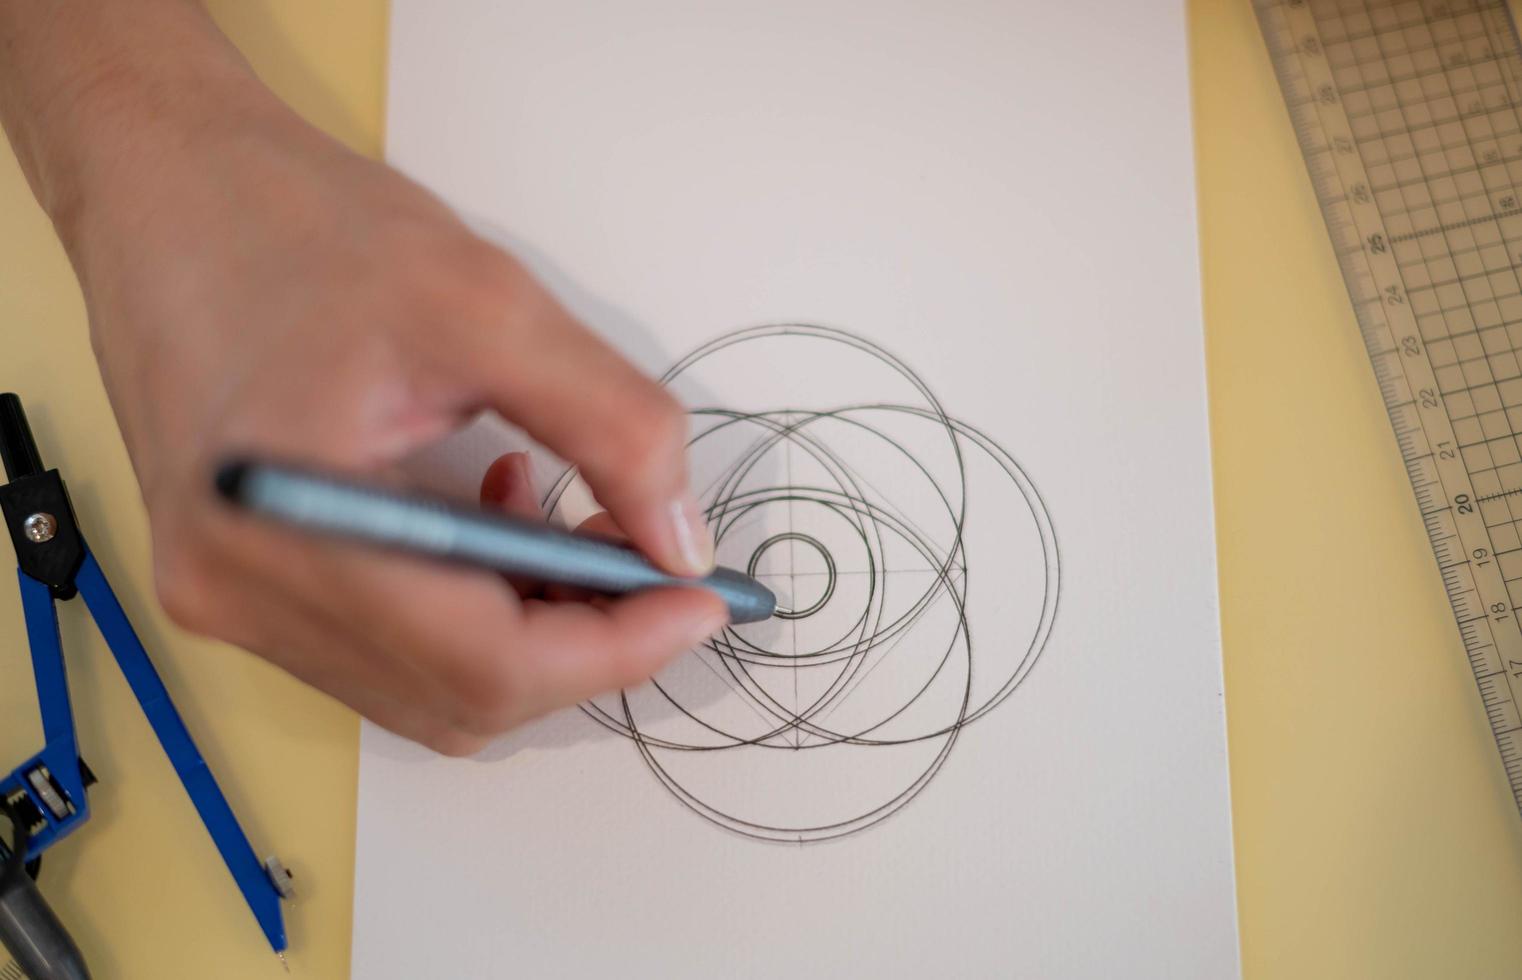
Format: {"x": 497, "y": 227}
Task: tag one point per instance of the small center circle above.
{"x": 827, "y": 575}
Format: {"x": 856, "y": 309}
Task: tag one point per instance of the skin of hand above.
{"x": 253, "y": 286}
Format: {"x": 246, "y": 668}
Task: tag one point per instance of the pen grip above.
{"x": 509, "y": 544}
{"x": 512, "y": 545}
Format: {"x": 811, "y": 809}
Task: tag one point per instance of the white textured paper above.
{"x": 928, "y": 275}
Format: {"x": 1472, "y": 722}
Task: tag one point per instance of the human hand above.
{"x": 255, "y": 287}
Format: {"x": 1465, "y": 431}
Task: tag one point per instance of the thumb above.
{"x": 550, "y": 375}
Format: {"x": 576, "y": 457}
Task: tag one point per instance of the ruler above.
{"x": 1409, "y": 115}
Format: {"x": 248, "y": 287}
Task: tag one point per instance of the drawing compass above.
{"x": 44, "y": 799}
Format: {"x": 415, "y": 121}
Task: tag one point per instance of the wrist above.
{"x": 96, "y": 95}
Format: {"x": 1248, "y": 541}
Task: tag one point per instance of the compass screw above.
{"x": 280, "y": 877}
{"x": 40, "y": 527}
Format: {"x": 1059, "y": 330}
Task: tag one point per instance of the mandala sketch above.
{"x": 917, "y": 576}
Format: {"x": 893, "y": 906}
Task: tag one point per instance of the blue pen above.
{"x": 468, "y": 535}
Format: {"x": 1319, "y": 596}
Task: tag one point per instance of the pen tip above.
{"x": 230, "y": 477}
{"x": 284, "y": 963}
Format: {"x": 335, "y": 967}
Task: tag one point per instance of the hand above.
{"x": 255, "y": 287}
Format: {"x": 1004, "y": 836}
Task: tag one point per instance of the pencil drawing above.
{"x": 917, "y": 573}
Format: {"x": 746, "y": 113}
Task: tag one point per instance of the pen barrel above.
{"x": 18, "y": 450}
{"x": 512, "y": 545}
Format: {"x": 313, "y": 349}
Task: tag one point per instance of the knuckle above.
{"x": 453, "y": 275}
{"x": 482, "y": 278}
{"x": 486, "y": 702}
{"x": 647, "y": 437}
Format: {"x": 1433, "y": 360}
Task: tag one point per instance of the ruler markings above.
{"x": 1498, "y": 496}
{"x": 1461, "y": 171}
{"x": 1413, "y": 76}
{"x": 1439, "y": 229}
{"x": 1463, "y": 10}
{"x": 1469, "y": 278}
{"x": 1455, "y": 170}
{"x": 1474, "y": 109}
{"x": 1402, "y": 121}
{"x": 1448, "y": 14}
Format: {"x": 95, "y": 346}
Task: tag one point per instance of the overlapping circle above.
{"x": 834, "y": 474}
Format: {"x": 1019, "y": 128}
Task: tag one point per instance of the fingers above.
{"x": 446, "y": 656}
{"x": 547, "y": 373}
{"x": 485, "y": 663}
{"x": 439, "y": 637}
{"x": 301, "y": 635}
{"x": 575, "y": 650}
{"x": 320, "y": 652}
{"x": 509, "y": 486}
{"x": 602, "y": 523}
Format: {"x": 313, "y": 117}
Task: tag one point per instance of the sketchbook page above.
{"x": 925, "y": 276}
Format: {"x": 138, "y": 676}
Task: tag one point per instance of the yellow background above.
{"x": 1375, "y": 835}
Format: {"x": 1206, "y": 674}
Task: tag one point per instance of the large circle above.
{"x": 828, "y": 467}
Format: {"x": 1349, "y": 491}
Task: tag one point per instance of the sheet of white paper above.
{"x": 979, "y": 219}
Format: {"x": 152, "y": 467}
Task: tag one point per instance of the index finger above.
{"x": 549, "y": 374}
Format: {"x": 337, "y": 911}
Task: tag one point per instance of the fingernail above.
{"x": 694, "y": 544}
{"x": 525, "y": 470}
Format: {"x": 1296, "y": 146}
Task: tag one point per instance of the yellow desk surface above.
{"x": 1375, "y": 836}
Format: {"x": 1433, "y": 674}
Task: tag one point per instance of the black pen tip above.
{"x": 230, "y": 478}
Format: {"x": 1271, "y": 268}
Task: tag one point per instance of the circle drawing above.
{"x": 799, "y": 611}
{"x": 917, "y": 577}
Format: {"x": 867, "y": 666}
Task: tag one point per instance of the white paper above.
{"x": 979, "y": 219}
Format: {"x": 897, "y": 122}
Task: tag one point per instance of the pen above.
{"x": 467, "y": 535}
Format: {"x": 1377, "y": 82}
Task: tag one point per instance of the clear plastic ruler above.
{"x": 1409, "y": 115}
